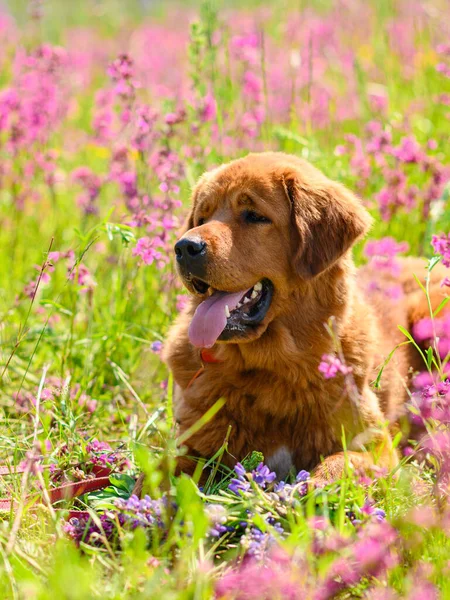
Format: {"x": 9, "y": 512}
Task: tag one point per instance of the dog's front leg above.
{"x": 369, "y": 451}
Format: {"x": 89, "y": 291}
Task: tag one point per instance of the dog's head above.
{"x": 259, "y": 227}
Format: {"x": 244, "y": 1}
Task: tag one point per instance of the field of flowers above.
{"x": 109, "y": 111}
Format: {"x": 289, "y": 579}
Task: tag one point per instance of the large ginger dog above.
{"x": 266, "y": 255}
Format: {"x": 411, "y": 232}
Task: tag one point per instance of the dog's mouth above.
{"x": 228, "y": 315}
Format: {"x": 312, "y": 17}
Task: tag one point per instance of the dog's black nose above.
{"x": 191, "y": 256}
{"x": 189, "y": 249}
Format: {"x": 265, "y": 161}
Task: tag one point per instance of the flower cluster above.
{"x": 257, "y": 544}
{"x": 145, "y": 512}
{"x": 54, "y": 389}
{"x": 287, "y": 491}
{"x": 94, "y": 146}
{"x": 376, "y": 156}
{"x": 382, "y": 254}
{"x": 264, "y": 479}
{"x": 146, "y": 248}
{"x": 331, "y": 365}
{"x": 101, "y": 454}
{"x": 371, "y": 555}
{"x": 218, "y": 517}
{"x": 441, "y": 245}
{"x": 77, "y": 272}
{"x": 432, "y": 402}
{"x": 262, "y": 476}
{"x": 91, "y": 184}
{"x": 129, "y": 514}
{"x": 94, "y": 533}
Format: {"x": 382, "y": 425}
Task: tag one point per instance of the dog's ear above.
{"x": 328, "y": 220}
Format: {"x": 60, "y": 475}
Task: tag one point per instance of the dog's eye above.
{"x": 200, "y": 222}
{"x": 250, "y": 216}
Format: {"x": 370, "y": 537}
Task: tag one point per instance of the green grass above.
{"x": 96, "y": 345}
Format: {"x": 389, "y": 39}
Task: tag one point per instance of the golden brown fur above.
{"x": 277, "y": 401}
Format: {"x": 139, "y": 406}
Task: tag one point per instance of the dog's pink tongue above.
{"x": 210, "y": 319}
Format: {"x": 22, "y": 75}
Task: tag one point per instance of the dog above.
{"x": 266, "y": 254}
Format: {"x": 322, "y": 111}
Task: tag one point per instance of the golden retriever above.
{"x": 266, "y": 255}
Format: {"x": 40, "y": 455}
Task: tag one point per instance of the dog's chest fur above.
{"x": 293, "y": 425}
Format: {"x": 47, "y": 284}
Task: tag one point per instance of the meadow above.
{"x": 109, "y": 112}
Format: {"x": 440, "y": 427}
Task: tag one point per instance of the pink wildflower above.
{"x": 409, "y": 150}
{"x": 331, "y": 366}
{"x": 146, "y": 248}
{"x": 382, "y": 254}
{"x": 441, "y": 245}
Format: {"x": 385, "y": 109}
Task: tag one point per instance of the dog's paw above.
{"x": 318, "y": 482}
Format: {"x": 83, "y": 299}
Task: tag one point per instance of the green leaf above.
{"x": 124, "y": 232}
{"x": 122, "y": 481}
{"x": 441, "y": 306}
{"x": 413, "y": 341}
{"x": 433, "y": 262}
{"x": 397, "y": 439}
{"x": 429, "y": 357}
{"x": 422, "y": 287}
{"x": 58, "y": 307}
{"x": 376, "y": 382}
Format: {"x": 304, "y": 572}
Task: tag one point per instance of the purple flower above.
{"x": 258, "y": 543}
{"x": 262, "y": 475}
{"x": 142, "y": 512}
{"x": 286, "y": 491}
{"x": 218, "y": 516}
{"x": 280, "y": 486}
{"x": 83, "y": 529}
{"x": 239, "y": 470}
{"x": 238, "y": 485}
{"x": 441, "y": 245}
{"x": 302, "y": 476}
{"x": 424, "y": 331}
{"x": 156, "y": 347}
{"x": 101, "y": 453}
{"x": 377, "y": 514}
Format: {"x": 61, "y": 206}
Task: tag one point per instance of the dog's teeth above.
{"x": 257, "y": 287}
{"x": 254, "y": 294}
{"x": 246, "y": 300}
{"x": 227, "y": 311}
